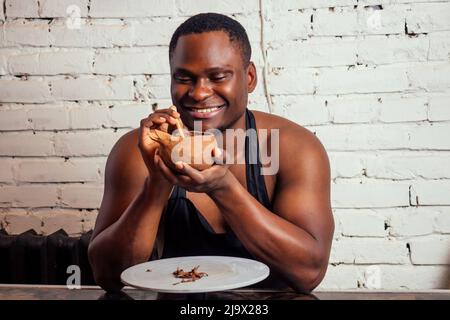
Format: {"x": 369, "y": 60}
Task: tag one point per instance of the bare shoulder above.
{"x": 298, "y": 147}
{"x": 125, "y": 166}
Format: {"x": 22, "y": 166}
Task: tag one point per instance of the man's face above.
{"x": 209, "y": 82}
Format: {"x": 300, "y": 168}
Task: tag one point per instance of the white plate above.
{"x": 224, "y": 273}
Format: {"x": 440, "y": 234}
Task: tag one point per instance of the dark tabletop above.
{"x": 36, "y": 292}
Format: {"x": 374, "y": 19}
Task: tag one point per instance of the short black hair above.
{"x": 207, "y": 22}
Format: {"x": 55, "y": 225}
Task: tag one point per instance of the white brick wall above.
{"x": 370, "y": 78}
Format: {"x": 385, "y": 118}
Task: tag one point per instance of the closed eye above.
{"x": 219, "y": 77}
{"x": 182, "y": 79}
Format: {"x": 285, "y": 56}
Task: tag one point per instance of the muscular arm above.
{"x": 129, "y": 215}
{"x": 295, "y": 238}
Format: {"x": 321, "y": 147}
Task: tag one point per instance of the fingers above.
{"x": 187, "y": 170}
{"x": 159, "y": 117}
{"x": 167, "y": 173}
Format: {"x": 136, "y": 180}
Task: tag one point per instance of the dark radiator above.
{"x": 29, "y": 258}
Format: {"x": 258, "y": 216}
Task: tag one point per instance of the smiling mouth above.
{"x": 203, "y": 113}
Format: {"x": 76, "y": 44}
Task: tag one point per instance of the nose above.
{"x": 201, "y": 90}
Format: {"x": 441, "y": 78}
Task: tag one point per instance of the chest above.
{"x": 211, "y": 212}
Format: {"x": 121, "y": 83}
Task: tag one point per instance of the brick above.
{"x": 403, "y": 109}
{"x": 428, "y": 17}
{"x": 358, "y": 109}
{"x": 442, "y": 221}
{"x": 3, "y": 63}
{"x": 12, "y": 120}
{"x": 439, "y": 108}
{"x": 63, "y": 8}
{"x": 33, "y": 91}
{"x": 152, "y": 87}
{"x": 90, "y": 117}
{"x": 102, "y": 166}
{"x": 314, "y": 53}
{"x": 49, "y": 118}
{"x": 17, "y": 222}
{"x": 392, "y": 277}
{"x": 2, "y": 15}
{"x": 345, "y": 165}
{"x": 2, "y": 34}
{"x": 22, "y": 8}
{"x": 341, "y": 277}
{"x": 408, "y": 166}
{"x": 411, "y": 222}
{"x": 90, "y": 218}
{"x": 86, "y": 143}
{"x": 361, "y": 79}
{"x": 430, "y": 250}
{"x": 369, "y": 195}
{"x": 102, "y": 33}
{"x": 430, "y": 136}
{"x": 339, "y": 22}
{"x": 393, "y": 49}
{"x": 6, "y": 170}
{"x": 281, "y": 5}
{"x": 53, "y": 220}
{"x": 414, "y": 277}
{"x": 361, "y": 223}
{"x": 429, "y": 77}
{"x": 81, "y": 196}
{"x": 57, "y": 170}
{"x": 27, "y": 33}
{"x": 26, "y": 144}
{"x": 131, "y": 8}
{"x": 291, "y": 81}
{"x": 369, "y": 251}
{"x": 5, "y": 53}
{"x": 191, "y": 7}
{"x": 288, "y": 26}
{"x": 155, "y": 32}
{"x": 372, "y": 108}
{"x": 252, "y": 25}
{"x": 52, "y": 63}
{"x": 28, "y": 196}
{"x": 439, "y": 46}
{"x": 130, "y": 115}
{"x": 93, "y": 88}
{"x": 364, "y": 137}
{"x": 304, "y": 110}
{"x": 389, "y": 20}
{"x": 154, "y": 60}
{"x": 434, "y": 192}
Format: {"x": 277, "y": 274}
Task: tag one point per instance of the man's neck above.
{"x": 239, "y": 124}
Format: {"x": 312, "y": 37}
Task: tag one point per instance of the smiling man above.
{"x": 148, "y": 211}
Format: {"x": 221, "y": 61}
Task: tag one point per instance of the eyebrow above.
{"x": 209, "y": 70}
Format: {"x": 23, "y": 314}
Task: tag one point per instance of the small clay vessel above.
{"x": 194, "y": 149}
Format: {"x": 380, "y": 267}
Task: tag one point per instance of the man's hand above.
{"x": 209, "y": 180}
{"x": 164, "y": 120}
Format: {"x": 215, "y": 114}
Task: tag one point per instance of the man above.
{"x": 149, "y": 211}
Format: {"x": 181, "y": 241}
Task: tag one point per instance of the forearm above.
{"x": 130, "y": 239}
{"x": 268, "y": 236}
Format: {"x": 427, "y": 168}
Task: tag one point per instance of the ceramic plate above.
{"x": 224, "y": 273}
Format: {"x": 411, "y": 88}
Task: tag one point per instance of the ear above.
{"x": 252, "y": 77}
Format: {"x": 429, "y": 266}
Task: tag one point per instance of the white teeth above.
{"x": 206, "y": 110}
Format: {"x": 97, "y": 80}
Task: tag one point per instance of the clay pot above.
{"x": 194, "y": 149}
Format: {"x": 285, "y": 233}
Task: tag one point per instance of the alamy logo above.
{"x": 74, "y": 17}
{"x": 235, "y": 139}
{"x": 372, "y": 276}
{"x": 74, "y": 280}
